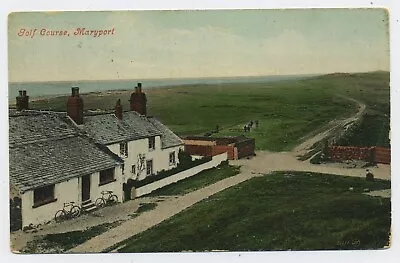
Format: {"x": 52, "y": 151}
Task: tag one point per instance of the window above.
{"x": 149, "y": 167}
{"x": 106, "y": 176}
{"x": 43, "y": 195}
{"x": 123, "y": 168}
{"x": 133, "y": 170}
{"x": 123, "y": 149}
{"x": 172, "y": 158}
{"x": 152, "y": 143}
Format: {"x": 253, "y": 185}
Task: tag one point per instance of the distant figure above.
{"x": 251, "y": 123}
{"x": 369, "y": 176}
{"x": 245, "y": 128}
{"x": 256, "y": 122}
{"x": 217, "y": 128}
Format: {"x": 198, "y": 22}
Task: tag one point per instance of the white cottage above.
{"x": 57, "y": 158}
{"x": 146, "y": 146}
{"x": 52, "y": 163}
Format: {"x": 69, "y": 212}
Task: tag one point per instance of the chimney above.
{"x": 22, "y": 100}
{"x": 75, "y": 106}
{"x": 138, "y": 100}
{"x": 25, "y": 99}
{"x": 118, "y": 109}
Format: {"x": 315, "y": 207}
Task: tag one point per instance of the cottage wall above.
{"x": 64, "y": 192}
{"x": 68, "y": 191}
{"x": 96, "y": 189}
{"x": 159, "y": 156}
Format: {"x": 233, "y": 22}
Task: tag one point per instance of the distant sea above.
{"x": 44, "y": 89}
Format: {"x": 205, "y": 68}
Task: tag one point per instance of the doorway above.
{"x": 85, "y": 188}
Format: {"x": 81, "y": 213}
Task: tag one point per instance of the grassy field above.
{"x": 281, "y": 211}
{"x": 286, "y": 110}
{"x": 200, "y": 180}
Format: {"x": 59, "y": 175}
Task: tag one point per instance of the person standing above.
{"x": 369, "y": 176}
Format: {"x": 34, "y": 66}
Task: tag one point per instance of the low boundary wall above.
{"x": 216, "y": 160}
{"x": 382, "y": 155}
{"x": 369, "y": 154}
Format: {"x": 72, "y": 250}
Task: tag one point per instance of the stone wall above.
{"x": 368, "y": 154}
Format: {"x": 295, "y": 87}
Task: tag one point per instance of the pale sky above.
{"x": 184, "y": 44}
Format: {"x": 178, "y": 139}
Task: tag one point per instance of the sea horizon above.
{"x": 36, "y": 89}
{"x": 43, "y": 89}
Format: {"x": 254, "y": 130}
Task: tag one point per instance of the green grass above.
{"x": 202, "y": 179}
{"x": 281, "y": 211}
{"x": 59, "y": 243}
{"x": 286, "y": 110}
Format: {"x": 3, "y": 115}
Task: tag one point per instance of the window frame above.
{"x": 133, "y": 169}
{"x": 109, "y": 174}
{"x": 147, "y": 167}
{"x": 123, "y": 149}
{"x": 173, "y": 162}
{"x": 39, "y": 201}
{"x": 152, "y": 143}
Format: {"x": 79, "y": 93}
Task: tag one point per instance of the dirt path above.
{"x": 334, "y": 126}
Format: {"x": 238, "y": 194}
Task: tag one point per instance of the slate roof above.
{"x": 30, "y": 127}
{"x": 45, "y": 149}
{"x": 168, "y": 138}
{"x": 108, "y": 129}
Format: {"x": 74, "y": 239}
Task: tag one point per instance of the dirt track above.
{"x": 333, "y": 127}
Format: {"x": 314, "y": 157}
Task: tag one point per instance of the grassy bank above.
{"x": 297, "y": 211}
{"x": 372, "y": 131}
{"x": 286, "y": 110}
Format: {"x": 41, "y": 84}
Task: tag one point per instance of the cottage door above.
{"x": 85, "y": 187}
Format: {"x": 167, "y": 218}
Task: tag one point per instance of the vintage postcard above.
{"x": 200, "y": 131}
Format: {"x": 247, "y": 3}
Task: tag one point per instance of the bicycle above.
{"x": 65, "y": 213}
{"x": 103, "y": 201}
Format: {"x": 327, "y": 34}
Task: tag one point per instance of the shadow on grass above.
{"x": 61, "y": 242}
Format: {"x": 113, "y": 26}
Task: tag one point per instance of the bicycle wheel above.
{"x": 60, "y": 216}
{"x": 113, "y": 199}
{"x": 100, "y": 202}
{"x": 75, "y": 211}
